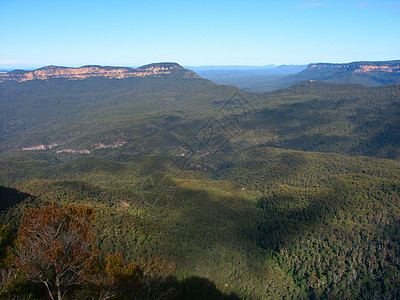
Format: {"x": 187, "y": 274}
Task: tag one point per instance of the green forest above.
{"x": 204, "y": 191}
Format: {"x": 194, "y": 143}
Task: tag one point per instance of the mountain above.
{"x": 84, "y": 116}
{"x": 365, "y": 73}
{"x": 292, "y": 193}
{"x": 51, "y": 72}
{"x": 76, "y": 114}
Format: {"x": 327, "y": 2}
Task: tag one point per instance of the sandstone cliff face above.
{"x": 152, "y": 70}
{"x": 359, "y": 67}
{"x": 367, "y": 68}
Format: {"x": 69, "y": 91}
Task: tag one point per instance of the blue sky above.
{"x": 193, "y": 33}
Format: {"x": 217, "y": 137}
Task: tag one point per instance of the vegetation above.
{"x": 344, "y": 73}
{"x": 288, "y": 194}
{"x": 262, "y": 80}
{"x": 55, "y": 247}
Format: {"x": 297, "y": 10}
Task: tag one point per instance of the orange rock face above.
{"x": 369, "y": 68}
{"x": 358, "y": 68}
{"x": 154, "y": 70}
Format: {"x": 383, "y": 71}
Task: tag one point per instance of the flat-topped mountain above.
{"x": 367, "y": 73}
{"x": 48, "y": 72}
{"x": 360, "y": 66}
{"x": 363, "y": 72}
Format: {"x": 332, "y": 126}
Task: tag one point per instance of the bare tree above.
{"x": 7, "y": 276}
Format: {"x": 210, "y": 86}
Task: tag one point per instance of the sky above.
{"x": 196, "y": 33}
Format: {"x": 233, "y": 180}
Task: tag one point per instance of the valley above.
{"x": 365, "y": 73}
{"x": 290, "y": 193}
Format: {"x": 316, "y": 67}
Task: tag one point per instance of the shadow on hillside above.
{"x": 308, "y": 126}
{"x": 297, "y": 117}
{"x": 343, "y": 220}
{"x": 385, "y": 143}
{"x": 197, "y": 288}
{"x": 10, "y": 197}
{"x": 288, "y": 215}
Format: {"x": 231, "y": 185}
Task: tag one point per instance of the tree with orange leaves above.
{"x": 55, "y": 246}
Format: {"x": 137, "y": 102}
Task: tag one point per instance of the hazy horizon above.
{"x": 199, "y": 67}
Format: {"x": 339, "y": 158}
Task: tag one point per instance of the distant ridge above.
{"x": 367, "y": 73}
{"x": 362, "y": 66}
{"x": 49, "y": 72}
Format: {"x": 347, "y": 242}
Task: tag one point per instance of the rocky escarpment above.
{"x": 49, "y": 72}
{"x": 368, "y": 73}
{"x": 360, "y": 67}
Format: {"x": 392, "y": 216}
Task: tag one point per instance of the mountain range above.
{"x": 249, "y": 78}
{"x": 365, "y": 73}
{"x": 291, "y": 193}
{"x": 151, "y": 70}
{"x": 259, "y": 80}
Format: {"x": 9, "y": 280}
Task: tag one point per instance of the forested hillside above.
{"x": 287, "y": 194}
{"x": 367, "y": 73}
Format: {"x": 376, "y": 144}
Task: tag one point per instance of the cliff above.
{"x": 360, "y": 67}
{"x": 49, "y": 72}
{"x": 365, "y": 73}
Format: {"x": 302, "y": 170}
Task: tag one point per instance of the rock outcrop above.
{"x": 360, "y": 67}
{"x": 49, "y": 72}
